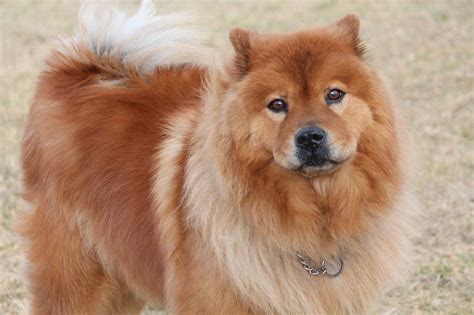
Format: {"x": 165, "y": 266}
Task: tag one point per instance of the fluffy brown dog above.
{"x": 268, "y": 181}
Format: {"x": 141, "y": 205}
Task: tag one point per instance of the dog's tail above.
{"x": 112, "y": 44}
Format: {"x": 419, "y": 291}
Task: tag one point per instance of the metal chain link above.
{"x": 318, "y": 271}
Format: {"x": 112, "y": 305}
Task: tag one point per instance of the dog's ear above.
{"x": 242, "y": 41}
{"x": 349, "y": 26}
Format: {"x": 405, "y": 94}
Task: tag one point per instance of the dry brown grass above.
{"x": 424, "y": 48}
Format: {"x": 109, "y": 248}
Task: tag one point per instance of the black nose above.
{"x": 310, "y": 137}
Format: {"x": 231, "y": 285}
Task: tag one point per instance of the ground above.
{"x": 423, "y": 48}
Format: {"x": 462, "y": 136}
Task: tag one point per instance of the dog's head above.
{"x": 300, "y": 100}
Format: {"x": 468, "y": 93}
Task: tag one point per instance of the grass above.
{"x": 424, "y": 48}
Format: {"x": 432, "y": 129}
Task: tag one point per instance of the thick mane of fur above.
{"x": 244, "y": 216}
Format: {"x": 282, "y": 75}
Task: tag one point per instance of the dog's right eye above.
{"x": 334, "y": 96}
{"x": 278, "y": 105}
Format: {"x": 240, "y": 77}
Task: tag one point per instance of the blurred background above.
{"x": 424, "y": 49}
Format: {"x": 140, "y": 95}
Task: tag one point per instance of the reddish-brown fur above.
{"x": 115, "y": 222}
{"x": 104, "y": 143}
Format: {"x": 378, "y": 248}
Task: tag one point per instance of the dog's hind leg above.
{"x": 65, "y": 275}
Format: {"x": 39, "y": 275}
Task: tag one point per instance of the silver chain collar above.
{"x": 320, "y": 271}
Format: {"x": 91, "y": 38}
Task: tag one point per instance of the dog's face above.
{"x": 300, "y": 98}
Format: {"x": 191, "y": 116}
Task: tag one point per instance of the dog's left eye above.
{"x": 334, "y": 96}
{"x": 278, "y": 105}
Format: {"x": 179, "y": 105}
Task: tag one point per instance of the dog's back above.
{"x": 99, "y": 113}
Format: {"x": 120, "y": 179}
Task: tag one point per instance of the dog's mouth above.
{"x": 314, "y": 166}
{"x": 318, "y": 162}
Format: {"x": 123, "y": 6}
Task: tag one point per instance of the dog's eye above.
{"x": 278, "y": 105}
{"x": 334, "y": 96}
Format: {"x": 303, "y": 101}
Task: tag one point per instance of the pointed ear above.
{"x": 242, "y": 42}
{"x": 350, "y": 25}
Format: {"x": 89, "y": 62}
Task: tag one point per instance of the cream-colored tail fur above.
{"x": 141, "y": 42}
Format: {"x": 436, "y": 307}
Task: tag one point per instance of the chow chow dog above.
{"x": 264, "y": 176}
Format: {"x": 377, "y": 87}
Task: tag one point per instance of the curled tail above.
{"x": 114, "y": 44}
